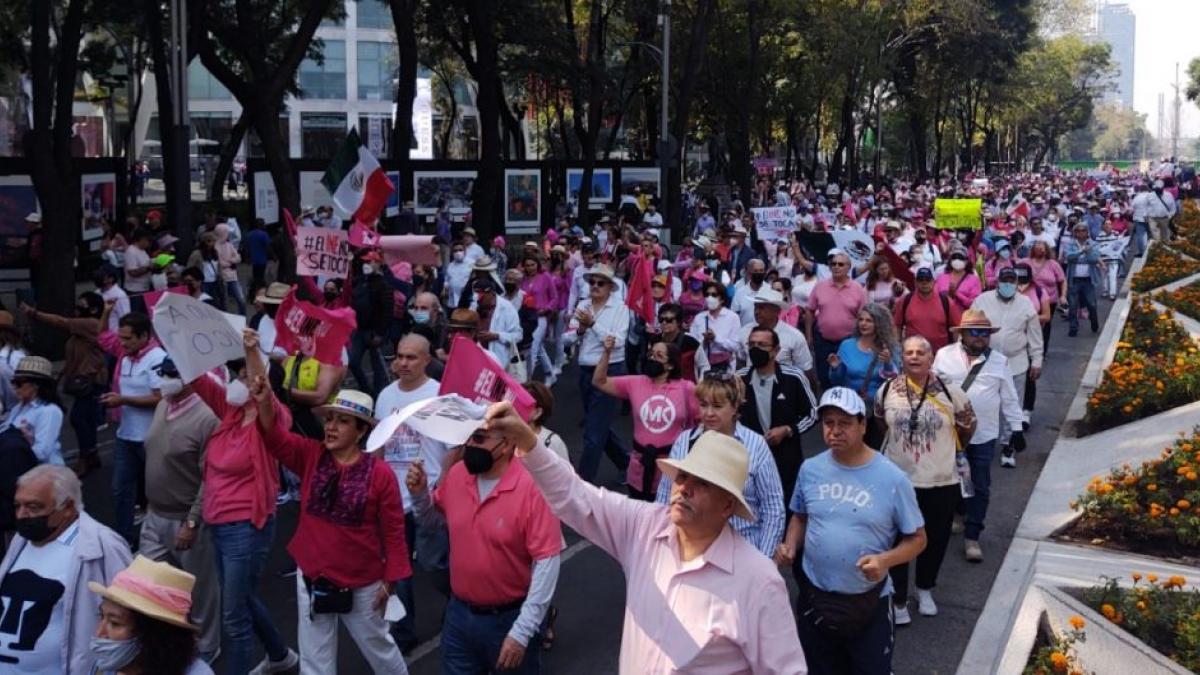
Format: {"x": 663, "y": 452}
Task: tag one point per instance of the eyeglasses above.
{"x": 719, "y": 375}
{"x": 668, "y": 319}
{"x": 978, "y": 332}
{"x": 598, "y": 282}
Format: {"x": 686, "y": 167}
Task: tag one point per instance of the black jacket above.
{"x": 792, "y": 404}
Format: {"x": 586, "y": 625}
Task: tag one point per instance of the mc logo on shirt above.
{"x": 657, "y": 413}
{"x": 844, "y": 492}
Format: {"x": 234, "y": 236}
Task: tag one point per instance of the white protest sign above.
{"x": 1110, "y": 250}
{"x": 775, "y": 222}
{"x": 322, "y": 252}
{"x": 449, "y": 419}
{"x": 198, "y": 336}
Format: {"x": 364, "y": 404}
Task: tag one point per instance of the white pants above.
{"x": 318, "y": 635}
{"x": 537, "y": 348}
{"x": 1114, "y": 269}
{"x": 157, "y": 542}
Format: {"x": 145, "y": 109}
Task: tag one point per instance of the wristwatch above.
{"x": 191, "y": 524}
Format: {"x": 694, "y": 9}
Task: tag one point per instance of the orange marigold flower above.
{"x": 1108, "y": 611}
{"x": 1183, "y": 503}
{"x": 1076, "y": 622}
{"x": 1152, "y": 578}
{"x": 1152, "y": 487}
{"x": 1175, "y": 581}
{"x": 1137, "y": 576}
{"x": 1058, "y": 661}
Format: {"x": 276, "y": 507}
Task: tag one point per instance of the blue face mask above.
{"x": 1006, "y": 289}
{"x": 1005, "y": 253}
{"x": 712, "y": 264}
{"x": 420, "y": 316}
{"x": 113, "y": 655}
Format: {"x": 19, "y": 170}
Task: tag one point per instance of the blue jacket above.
{"x": 1074, "y": 254}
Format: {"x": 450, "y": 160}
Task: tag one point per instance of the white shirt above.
{"x": 726, "y": 328}
{"x": 137, "y": 378}
{"x": 1020, "y": 336}
{"x": 612, "y": 319}
{"x": 37, "y": 582}
{"x": 992, "y": 392}
{"x": 793, "y": 347}
{"x": 507, "y": 324}
{"x": 457, "y": 274}
{"x": 407, "y": 445}
{"x": 743, "y": 301}
{"x": 473, "y": 253}
{"x": 136, "y": 258}
{"x": 653, "y": 219}
{"x": 120, "y": 309}
{"x": 41, "y": 422}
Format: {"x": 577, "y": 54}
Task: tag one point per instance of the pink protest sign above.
{"x": 416, "y": 249}
{"x": 322, "y": 252}
{"x": 474, "y": 375}
{"x": 313, "y": 331}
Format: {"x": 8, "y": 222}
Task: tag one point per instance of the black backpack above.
{"x": 16, "y": 457}
{"x": 945, "y": 311}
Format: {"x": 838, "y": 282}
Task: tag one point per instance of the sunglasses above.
{"x": 668, "y": 319}
{"x": 598, "y": 282}
{"x": 978, "y": 332}
{"x": 720, "y": 375}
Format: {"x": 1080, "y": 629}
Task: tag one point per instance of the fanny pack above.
{"x": 325, "y": 597}
{"x": 841, "y": 615}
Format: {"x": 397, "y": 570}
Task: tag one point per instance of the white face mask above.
{"x": 712, "y": 302}
{"x": 459, "y": 255}
{"x": 237, "y": 393}
{"x": 171, "y": 386}
{"x": 958, "y": 265}
{"x": 368, "y": 268}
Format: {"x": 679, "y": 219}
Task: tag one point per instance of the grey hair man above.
{"x": 49, "y": 614}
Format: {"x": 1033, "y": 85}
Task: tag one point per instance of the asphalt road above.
{"x": 591, "y": 586}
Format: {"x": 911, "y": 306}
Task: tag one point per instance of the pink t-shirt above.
{"x": 836, "y": 308}
{"x": 1047, "y": 278}
{"x": 661, "y": 412}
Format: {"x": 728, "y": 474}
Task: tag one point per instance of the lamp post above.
{"x": 180, "y": 189}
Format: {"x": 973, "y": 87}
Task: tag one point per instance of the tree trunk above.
{"x": 514, "y": 143}
{"x": 275, "y": 152}
{"x": 216, "y": 191}
{"x": 486, "y": 197}
{"x": 692, "y": 63}
{"x": 178, "y": 215}
{"x": 406, "y": 89}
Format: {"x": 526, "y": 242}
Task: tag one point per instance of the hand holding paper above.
{"x": 416, "y": 249}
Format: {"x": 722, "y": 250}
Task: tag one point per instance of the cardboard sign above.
{"x": 313, "y": 331}
{"x": 957, "y": 214}
{"x": 152, "y": 297}
{"x": 774, "y": 223}
{"x": 198, "y": 336}
{"x": 322, "y": 252}
{"x": 1111, "y": 250}
{"x": 414, "y": 248}
{"x": 476, "y": 376}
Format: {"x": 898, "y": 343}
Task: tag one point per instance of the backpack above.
{"x": 945, "y": 312}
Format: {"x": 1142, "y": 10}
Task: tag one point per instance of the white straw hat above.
{"x": 720, "y": 460}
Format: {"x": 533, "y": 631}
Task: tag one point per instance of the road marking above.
{"x": 427, "y": 647}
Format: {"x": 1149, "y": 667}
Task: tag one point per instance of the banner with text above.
{"x": 198, "y": 336}
{"x": 957, "y": 214}
{"x": 322, "y": 252}
{"x": 313, "y": 331}
{"x": 476, "y": 376}
{"x": 774, "y": 223}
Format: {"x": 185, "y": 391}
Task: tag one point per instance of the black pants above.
{"x": 937, "y": 507}
{"x": 1030, "y": 383}
{"x": 868, "y": 653}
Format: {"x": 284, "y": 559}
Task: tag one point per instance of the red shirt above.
{"x": 926, "y": 317}
{"x": 494, "y": 544}
{"x": 355, "y": 539}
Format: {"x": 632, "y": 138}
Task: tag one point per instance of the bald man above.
{"x": 406, "y": 446}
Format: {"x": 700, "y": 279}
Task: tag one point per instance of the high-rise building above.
{"x": 1117, "y": 26}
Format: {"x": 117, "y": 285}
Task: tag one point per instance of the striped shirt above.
{"x": 763, "y": 490}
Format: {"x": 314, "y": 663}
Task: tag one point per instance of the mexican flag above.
{"x": 359, "y": 187}
{"x": 1017, "y": 206}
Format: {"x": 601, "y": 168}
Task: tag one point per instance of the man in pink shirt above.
{"x": 833, "y": 308}
{"x": 541, "y": 294}
{"x": 698, "y": 597}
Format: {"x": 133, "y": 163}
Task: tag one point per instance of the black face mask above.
{"x": 510, "y": 288}
{"x": 759, "y": 357}
{"x": 477, "y": 460}
{"x": 331, "y": 295}
{"x": 654, "y": 368}
{"x": 417, "y": 280}
{"x": 35, "y": 529}
{"x": 757, "y": 277}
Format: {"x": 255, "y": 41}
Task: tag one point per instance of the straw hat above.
{"x": 975, "y": 318}
{"x": 154, "y": 589}
{"x": 769, "y": 296}
{"x": 484, "y": 264}
{"x": 34, "y": 367}
{"x": 600, "y": 271}
{"x": 275, "y": 293}
{"x": 720, "y": 460}
{"x": 353, "y": 403}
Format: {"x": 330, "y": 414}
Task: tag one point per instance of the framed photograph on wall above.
{"x": 646, "y": 180}
{"x": 522, "y": 201}
{"x": 452, "y": 187}
{"x": 602, "y": 186}
{"x": 99, "y": 194}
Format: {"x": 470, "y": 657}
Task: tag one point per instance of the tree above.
{"x": 1193, "y": 80}
{"x": 1120, "y": 132}
{"x": 404, "y": 18}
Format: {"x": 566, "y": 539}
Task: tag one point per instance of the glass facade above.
{"x": 374, "y": 14}
{"x": 201, "y": 85}
{"x": 327, "y": 79}
{"x": 321, "y": 134}
{"x": 385, "y": 133}
{"x": 377, "y": 64}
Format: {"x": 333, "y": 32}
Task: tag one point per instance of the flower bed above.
{"x": 1185, "y": 299}
{"x": 1157, "y": 612}
{"x": 1156, "y": 367}
{"x": 1154, "y": 507}
{"x": 1055, "y": 652}
{"x": 1162, "y": 267}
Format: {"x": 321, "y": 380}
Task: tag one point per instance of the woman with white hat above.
{"x": 37, "y": 413}
{"x": 349, "y": 544}
{"x": 144, "y": 627}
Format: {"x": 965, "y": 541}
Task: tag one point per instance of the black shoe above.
{"x": 1073, "y": 332}
{"x": 1095, "y": 329}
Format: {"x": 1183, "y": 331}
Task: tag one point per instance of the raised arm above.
{"x": 600, "y": 375}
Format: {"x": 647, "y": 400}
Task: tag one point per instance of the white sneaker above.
{"x": 267, "y": 666}
{"x": 925, "y": 604}
{"x": 1027, "y": 421}
{"x": 902, "y": 617}
{"x": 972, "y": 551}
{"x": 1009, "y": 460}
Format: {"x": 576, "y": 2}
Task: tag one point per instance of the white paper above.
{"x": 449, "y": 419}
{"x": 395, "y": 610}
{"x": 198, "y": 336}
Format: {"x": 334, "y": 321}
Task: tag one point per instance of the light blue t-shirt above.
{"x": 852, "y": 512}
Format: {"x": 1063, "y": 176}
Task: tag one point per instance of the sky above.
{"x": 1166, "y": 34}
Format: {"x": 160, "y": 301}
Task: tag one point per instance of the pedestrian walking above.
{"x": 833, "y": 306}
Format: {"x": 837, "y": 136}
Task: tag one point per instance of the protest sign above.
{"x": 449, "y": 419}
{"x": 1111, "y": 250}
{"x": 313, "y": 331}
{"x": 152, "y": 297}
{"x": 774, "y": 223}
{"x": 198, "y": 337}
{"x": 414, "y": 248}
{"x": 472, "y": 373}
{"x": 322, "y": 252}
{"x": 362, "y": 236}
{"x": 957, "y": 214}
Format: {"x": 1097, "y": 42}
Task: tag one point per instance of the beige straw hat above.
{"x": 154, "y": 589}
{"x": 720, "y": 460}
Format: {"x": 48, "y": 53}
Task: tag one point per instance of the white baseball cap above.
{"x": 845, "y": 399}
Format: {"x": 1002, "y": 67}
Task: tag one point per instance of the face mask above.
{"x": 1005, "y": 253}
{"x": 477, "y": 460}
{"x": 420, "y": 316}
{"x": 417, "y": 280}
{"x": 712, "y": 264}
{"x": 171, "y": 386}
{"x": 237, "y": 393}
{"x": 36, "y": 528}
{"x": 331, "y": 295}
{"x": 1006, "y": 289}
{"x": 113, "y": 655}
{"x": 759, "y": 357}
{"x": 757, "y": 277}
{"x": 654, "y": 368}
{"x": 958, "y": 265}
{"x": 510, "y": 288}
{"x": 711, "y": 302}
{"x": 459, "y": 255}
{"x": 368, "y": 269}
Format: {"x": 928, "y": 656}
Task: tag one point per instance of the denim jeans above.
{"x": 471, "y": 642}
{"x": 241, "y": 552}
{"x": 85, "y": 410}
{"x": 822, "y": 349}
{"x": 979, "y": 456}
{"x": 359, "y": 346}
{"x": 129, "y": 470}
{"x": 1081, "y": 292}
{"x": 1141, "y": 235}
{"x": 233, "y": 289}
{"x": 598, "y": 435}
